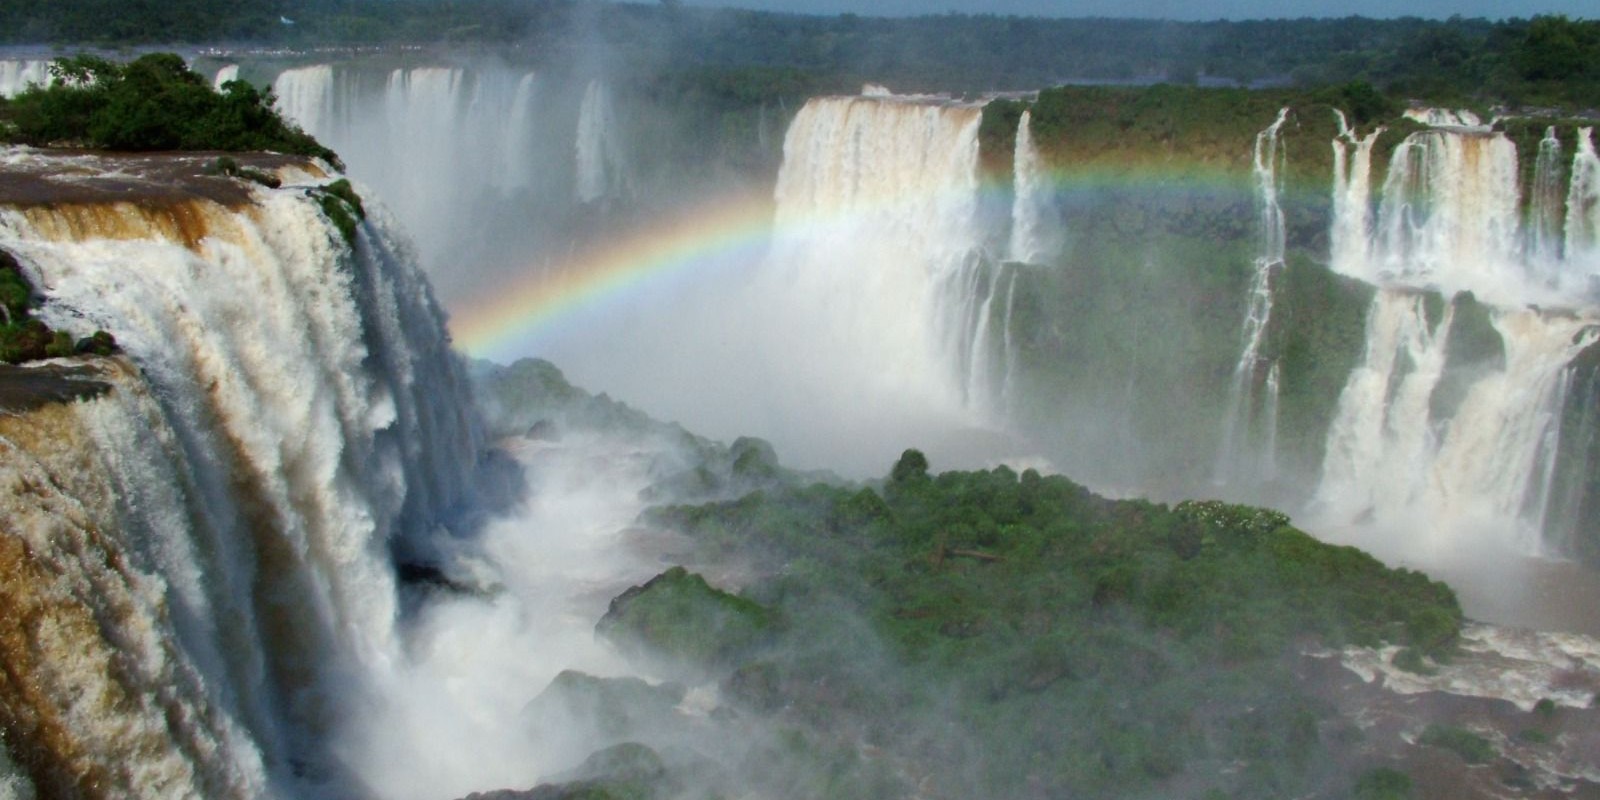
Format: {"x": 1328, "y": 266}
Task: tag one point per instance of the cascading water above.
{"x": 1349, "y": 243}
{"x": 15, "y": 76}
{"x": 225, "y": 74}
{"x": 1545, "y": 205}
{"x": 1449, "y": 216}
{"x": 878, "y": 234}
{"x": 1428, "y": 429}
{"x": 210, "y": 541}
{"x": 601, "y": 176}
{"x": 445, "y": 147}
{"x": 1032, "y": 228}
{"x": 1250, "y": 425}
{"x": 1582, "y": 244}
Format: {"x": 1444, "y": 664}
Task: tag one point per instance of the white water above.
{"x": 1449, "y": 219}
{"x": 1350, "y": 237}
{"x": 1582, "y": 244}
{"x": 303, "y": 416}
{"x": 879, "y": 244}
{"x": 602, "y": 175}
{"x": 1249, "y": 433}
{"x": 225, "y": 74}
{"x": 449, "y": 149}
{"x": 1484, "y": 471}
{"x": 1034, "y": 234}
{"x": 16, "y": 76}
{"x": 1546, "y": 203}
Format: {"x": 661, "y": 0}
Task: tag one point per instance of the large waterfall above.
{"x": 477, "y": 162}
{"x": 1454, "y": 415}
{"x": 878, "y": 236}
{"x": 199, "y": 560}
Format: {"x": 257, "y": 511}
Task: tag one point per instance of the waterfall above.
{"x": 287, "y": 413}
{"x": 1008, "y": 382}
{"x": 601, "y": 174}
{"x": 1449, "y": 215}
{"x": 1381, "y": 440}
{"x": 1583, "y": 207}
{"x": 1352, "y": 201}
{"x": 1031, "y": 225}
{"x": 1545, "y": 208}
{"x": 447, "y": 148}
{"x": 15, "y": 76}
{"x": 1250, "y": 425}
{"x": 227, "y": 73}
{"x": 878, "y": 239}
{"x": 1476, "y": 444}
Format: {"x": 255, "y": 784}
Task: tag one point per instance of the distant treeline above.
{"x": 1543, "y": 61}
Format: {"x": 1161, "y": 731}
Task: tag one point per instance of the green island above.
{"x": 991, "y": 633}
{"x": 1017, "y": 635}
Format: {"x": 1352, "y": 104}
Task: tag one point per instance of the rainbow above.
{"x": 494, "y": 326}
{"x": 502, "y": 326}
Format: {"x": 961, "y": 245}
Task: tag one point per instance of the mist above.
{"x": 847, "y": 277}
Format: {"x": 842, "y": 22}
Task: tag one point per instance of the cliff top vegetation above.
{"x": 154, "y": 102}
{"x": 1549, "y": 60}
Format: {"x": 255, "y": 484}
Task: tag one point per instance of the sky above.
{"x": 1183, "y": 9}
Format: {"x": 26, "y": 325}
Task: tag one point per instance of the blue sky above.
{"x": 1183, "y": 9}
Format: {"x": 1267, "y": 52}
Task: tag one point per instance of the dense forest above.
{"x": 1543, "y": 61}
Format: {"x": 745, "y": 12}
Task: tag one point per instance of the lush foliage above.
{"x": 1543, "y": 60}
{"x": 151, "y": 103}
{"x": 1027, "y": 636}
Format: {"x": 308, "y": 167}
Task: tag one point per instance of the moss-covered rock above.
{"x": 678, "y": 616}
{"x": 610, "y": 708}
{"x": 627, "y": 771}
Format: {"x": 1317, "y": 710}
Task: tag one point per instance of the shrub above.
{"x": 1471, "y": 747}
{"x": 1383, "y": 783}
{"x": 152, "y": 103}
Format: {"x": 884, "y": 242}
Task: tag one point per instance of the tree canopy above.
{"x": 154, "y": 102}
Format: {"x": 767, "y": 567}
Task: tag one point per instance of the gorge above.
{"x": 272, "y": 560}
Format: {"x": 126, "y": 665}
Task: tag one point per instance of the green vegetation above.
{"x": 151, "y": 103}
{"x": 1020, "y": 634}
{"x": 24, "y": 338}
{"x": 225, "y": 165}
{"x": 1471, "y": 747}
{"x": 679, "y": 616}
{"x": 342, "y": 205}
{"x": 1383, "y": 783}
{"x": 1549, "y": 60}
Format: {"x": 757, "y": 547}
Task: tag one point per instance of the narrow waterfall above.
{"x": 1545, "y": 207}
{"x": 601, "y": 174}
{"x": 1249, "y": 430}
{"x": 211, "y": 539}
{"x": 1033, "y": 232}
{"x": 1352, "y": 197}
{"x": 1582, "y": 244}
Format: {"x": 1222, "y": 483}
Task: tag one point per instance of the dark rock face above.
{"x": 26, "y": 389}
